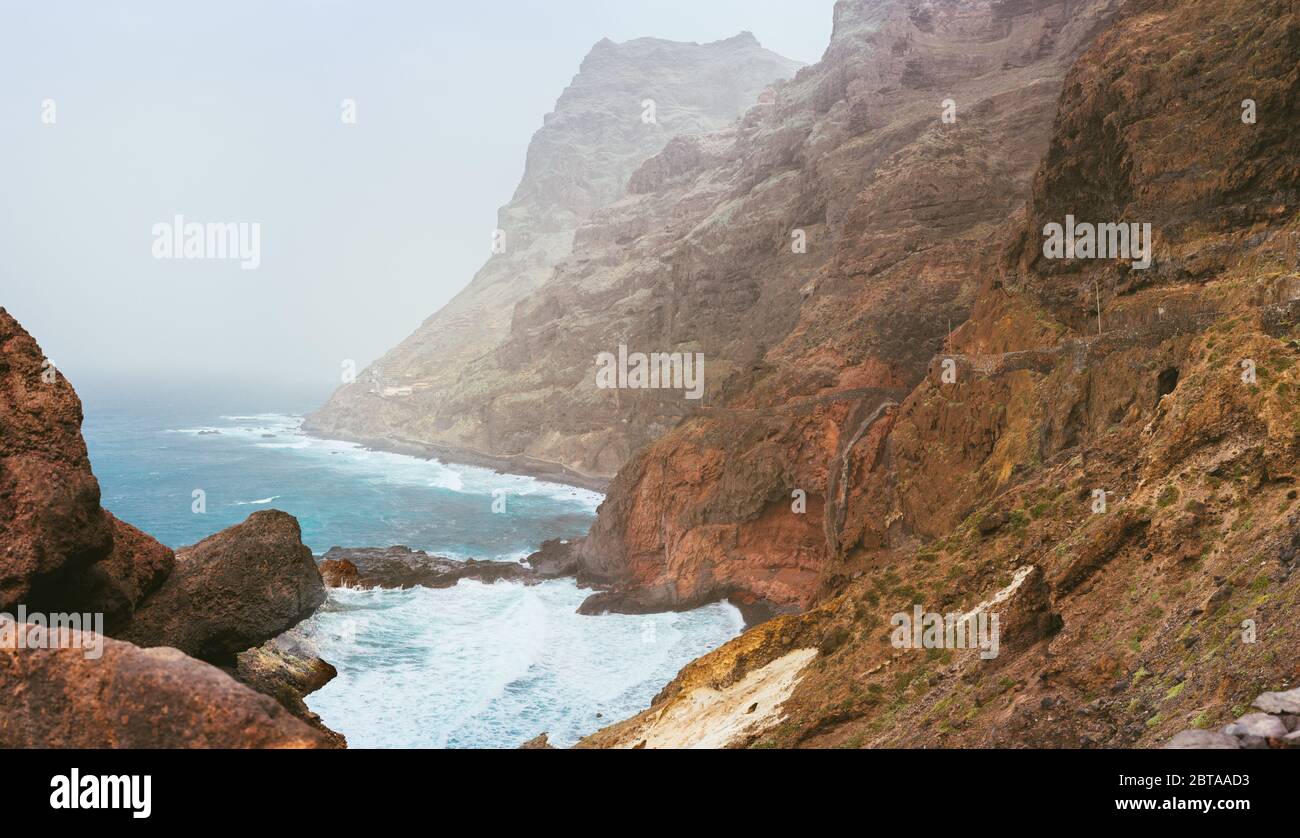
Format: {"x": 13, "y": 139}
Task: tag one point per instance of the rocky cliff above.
{"x": 1103, "y": 455}
{"x": 897, "y": 157}
{"x": 442, "y": 390}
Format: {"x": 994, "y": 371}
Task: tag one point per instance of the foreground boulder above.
{"x": 50, "y": 520}
{"x": 232, "y": 591}
{"x": 133, "y": 698}
{"x": 59, "y": 551}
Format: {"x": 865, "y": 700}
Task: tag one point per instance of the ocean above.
{"x": 470, "y": 666}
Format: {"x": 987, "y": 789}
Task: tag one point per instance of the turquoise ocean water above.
{"x": 471, "y": 666}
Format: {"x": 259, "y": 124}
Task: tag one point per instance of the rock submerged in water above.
{"x": 232, "y": 591}
{"x": 541, "y": 742}
{"x": 338, "y": 573}
{"x": 402, "y": 567}
{"x": 135, "y": 698}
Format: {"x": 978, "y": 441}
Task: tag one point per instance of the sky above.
{"x": 116, "y": 116}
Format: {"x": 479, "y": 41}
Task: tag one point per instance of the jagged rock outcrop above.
{"x": 232, "y": 591}
{"x": 133, "y": 698}
{"x": 442, "y": 391}
{"x": 1107, "y": 429}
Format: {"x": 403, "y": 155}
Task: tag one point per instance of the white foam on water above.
{"x": 474, "y": 665}
{"x": 284, "y": 432}
{"x": 494, "y": 665}
{"x": 259, "y": 502}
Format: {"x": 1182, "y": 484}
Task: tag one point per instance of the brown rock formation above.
{"x": 232, "y": 591}
{"x": 135, "y": 568}
{"x": 134, "y": 698}
{"x": 51, "y": 524}
{"x": 1176, "y": 602}
{"x": 338, "y": 573}
{"x": 59, "y": 551}
{"x": 441, "y": 391}
{"x": 808, "y": 354}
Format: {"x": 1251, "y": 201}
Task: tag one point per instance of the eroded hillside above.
{"x": 900, "y": 155}
{"x": 1172, "y": 392}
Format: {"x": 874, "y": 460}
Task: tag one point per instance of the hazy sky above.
{"x": 230, "y": 111}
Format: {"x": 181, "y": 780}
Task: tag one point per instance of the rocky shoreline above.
{"x": 518, "y": 464}
{"x": 402, "y": 567}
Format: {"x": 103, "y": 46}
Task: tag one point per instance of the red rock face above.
{"x": 1177, "y": 601}
{"x": 59, "y": 551}
{"x": 134, "y": 698}
{"x": 51, "y": 524}
{"x": 810, "y": 354}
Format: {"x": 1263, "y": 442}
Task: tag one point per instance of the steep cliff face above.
{"x": 897, "y": 156}
{"x": 440, "y": 387}
{"x": 1171, "y": 392}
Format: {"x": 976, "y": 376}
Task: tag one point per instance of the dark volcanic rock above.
{"x": 555, "y": 559}
{"x": 135, "y": 698}
{"x": 402, "y": 567}
{"x": 232, "y": 591}
{"x": 753, "y": 610}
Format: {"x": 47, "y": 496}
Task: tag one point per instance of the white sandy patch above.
{"x": 709, "y": 718}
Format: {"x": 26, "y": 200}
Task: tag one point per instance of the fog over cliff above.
{"x": 366, "y": 228}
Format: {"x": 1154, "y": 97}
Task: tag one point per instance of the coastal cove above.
{"x": 472, "y": 665}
